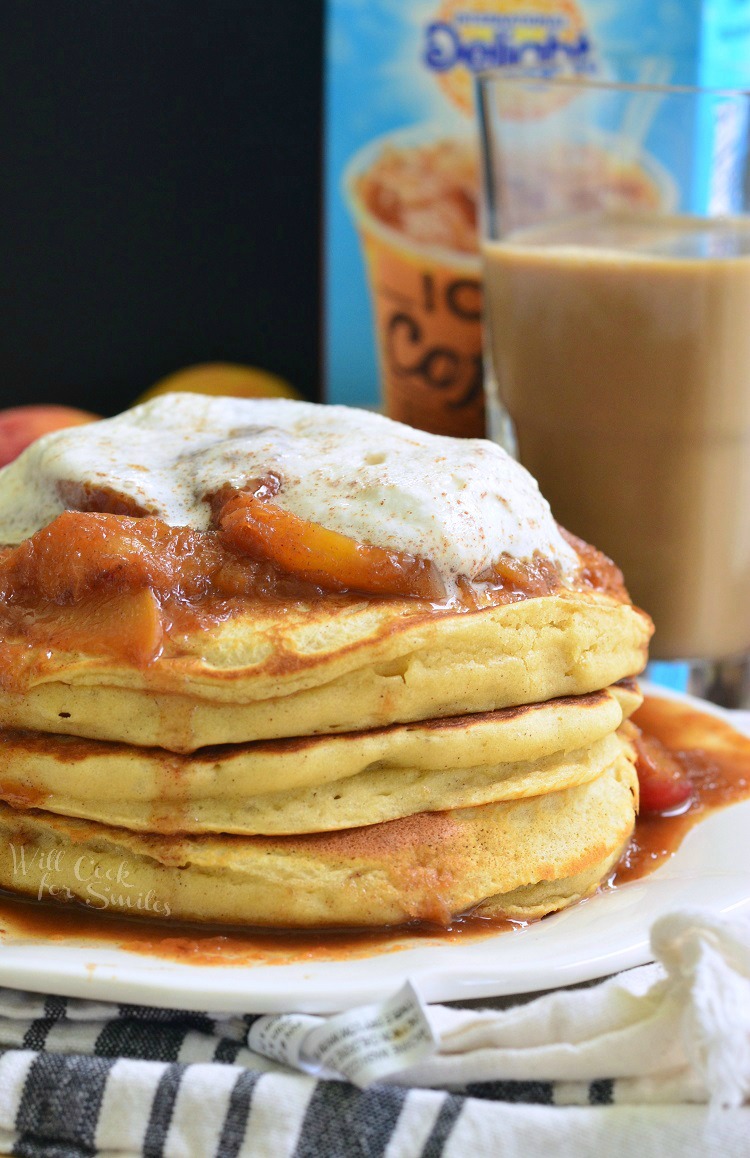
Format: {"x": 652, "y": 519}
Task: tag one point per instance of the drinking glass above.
{"x": 616, "y": 264}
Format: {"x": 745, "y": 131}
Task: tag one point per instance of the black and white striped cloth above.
{"x": 654, "y": 1062}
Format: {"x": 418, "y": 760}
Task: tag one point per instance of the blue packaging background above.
{"x": 377, "y": 81}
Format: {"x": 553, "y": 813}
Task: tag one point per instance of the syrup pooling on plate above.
{"x": 714, "y": 760}
{"x": 201, "y": 945}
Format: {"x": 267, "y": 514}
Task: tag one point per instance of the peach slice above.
{"x": 262, "y": 529}
{"x": 127, "y": 625}
{"x": 664, "y": 784}
{"x": 79, "y": 553}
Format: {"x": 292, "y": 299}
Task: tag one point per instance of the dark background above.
{"x": 159, "y": 193}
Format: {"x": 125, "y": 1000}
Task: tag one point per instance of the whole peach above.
{"x": 22, "y": 425}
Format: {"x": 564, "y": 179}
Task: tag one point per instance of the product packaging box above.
{"x": 402, "y": 310}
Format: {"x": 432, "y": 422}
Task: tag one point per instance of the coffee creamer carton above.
{"x": 402, "y": 316}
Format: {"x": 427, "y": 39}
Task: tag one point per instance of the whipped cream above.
{"x": 459, "y": 502}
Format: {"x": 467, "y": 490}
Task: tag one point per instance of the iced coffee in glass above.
{"x": 619, "y": 336}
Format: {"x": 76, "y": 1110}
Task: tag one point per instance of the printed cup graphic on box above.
{"x": 413, "y": 196}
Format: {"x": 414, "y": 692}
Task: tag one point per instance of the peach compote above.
{"x": 101, "y": 581}
{"x": 113, "y": 583}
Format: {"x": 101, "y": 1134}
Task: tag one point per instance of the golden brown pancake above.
{"x": 200, "y": 719}
{"x": 519, "y": 858}
{"x": 320, "y": 783}
{"x": 339, "y": 665}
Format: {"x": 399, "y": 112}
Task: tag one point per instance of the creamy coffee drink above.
{"x": 621, "y": 346}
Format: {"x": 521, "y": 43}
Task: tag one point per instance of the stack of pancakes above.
{"x": 346, "y": 762}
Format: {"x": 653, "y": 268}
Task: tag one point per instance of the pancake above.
{"x": 257, "y": 668}
{"x": 321, "y": 783}
{"x": 520, "y": 858}
{"x": 341, "y": 664}
{"x": 369, "y": 798}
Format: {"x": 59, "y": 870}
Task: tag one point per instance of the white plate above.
{"x": 711, "y": 869}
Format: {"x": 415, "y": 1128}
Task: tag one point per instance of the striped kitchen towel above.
{"x": 655, "y": 1061}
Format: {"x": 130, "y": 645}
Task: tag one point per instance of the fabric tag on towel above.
{"x": 363, "y": 1044}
